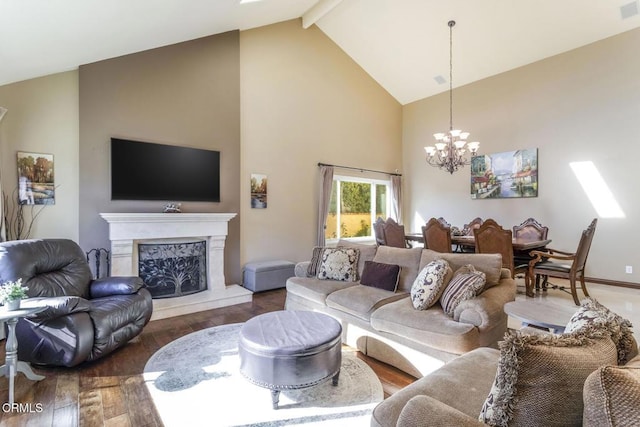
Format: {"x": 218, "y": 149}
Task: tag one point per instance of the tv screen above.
{"x": 149, "y": 171}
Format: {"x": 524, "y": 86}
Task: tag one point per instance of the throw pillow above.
{"x": 339, "y": 264}
{"x": 540, "y": 378}
{"x": 430, "y": 283}
{"x": 465, "y": 284}
{"x": 316, "y": 257}
{"x": 380, "y": 275}
{"x": 591, "y": 312}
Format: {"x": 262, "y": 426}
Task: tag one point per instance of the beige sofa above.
{"x": 557, "y": 384}
{"x": 384, "y": 325}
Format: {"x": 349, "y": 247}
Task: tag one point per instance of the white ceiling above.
{"x": 402, "y": 44}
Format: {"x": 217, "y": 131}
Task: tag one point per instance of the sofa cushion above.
{"x": 464, "y": 285}
{"x": 431, "y": 326}
{"x": 339, "y": 264}
{"x": 379, "y": 275}
{"x": 540, "y": 377}
{"x": 430, "y": 283}
{"x": 460, "y": 384}
{"x": 361, "y": 301}
{"x": 592, "y": 313}
{"x": 611, "y": 396}
{"x": 489, "y": 264}
{"x": 367, "y": 252}
{"x": 314, "y": 289}
{"x": 407, "y": 259}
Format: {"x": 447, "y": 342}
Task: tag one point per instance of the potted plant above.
{"x": 11, "y": 293}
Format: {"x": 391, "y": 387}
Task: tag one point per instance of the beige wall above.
{"x": 578, "y": 106}
{"x": 43, "y": 118}
{"x": 304, "y": 101}
{"x": 185, "y": 94}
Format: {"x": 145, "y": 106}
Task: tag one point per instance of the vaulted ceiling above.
{"x": 402, "y": 44}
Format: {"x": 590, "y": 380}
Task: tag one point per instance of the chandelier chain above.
{"x": 451, "y": 24}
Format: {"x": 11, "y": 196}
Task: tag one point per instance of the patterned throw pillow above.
{"x": 543, "y": 376}
{"x": 339, "y": 264}
{"x": 316, "y": 257}
{"x": 592, "y": 313}
{"x": 380, "y": 275}
{"x": 465, "y": 284}
{"x": 430, "y": 283}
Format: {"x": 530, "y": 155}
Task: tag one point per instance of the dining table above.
{"x": 519, "y": 244}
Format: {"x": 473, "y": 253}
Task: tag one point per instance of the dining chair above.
{"x": 378, "y": 231}
{"x": 491, "y": 238}
{"x": 571, "y": 265}
{"x": 467, "y": 230}
{"x": 530, "y": 229}
{"x": 437, "y": 236}
{"x": 394, "y": 234}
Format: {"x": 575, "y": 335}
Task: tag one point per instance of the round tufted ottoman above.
{"x": 285, "y": 350}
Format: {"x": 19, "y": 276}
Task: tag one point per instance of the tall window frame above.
{"x": 338, "y": 180}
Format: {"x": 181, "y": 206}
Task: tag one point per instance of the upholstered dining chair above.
{"x": 530, "y": 229}
{"x": 467, "y": 230}
{"x": 491, "y": 238}
{"x": 394, "y": 234}
{"x": 378, "y": 231}
{"x": 437, "y": 236}
{"x": 571, "y": 265}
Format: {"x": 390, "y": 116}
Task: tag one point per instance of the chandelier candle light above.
{"x": 450, "y": 148}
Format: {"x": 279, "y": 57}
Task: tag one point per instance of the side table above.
{"x": 12, "y": 365}
{"x": 541, "y": 314}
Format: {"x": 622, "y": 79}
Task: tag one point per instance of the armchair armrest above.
{"x": 422, "y": 410}
{"x": 57, "y": 307}
{"x": 117, "y": 285}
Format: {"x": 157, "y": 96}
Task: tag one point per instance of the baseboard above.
{"x": 612, "y": 282}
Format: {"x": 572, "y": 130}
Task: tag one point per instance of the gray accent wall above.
{"x": 186, "y": 94}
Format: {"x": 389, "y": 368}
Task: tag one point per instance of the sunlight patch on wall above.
{"x": 597, "y": 190}
{"x": 418, "y": 221}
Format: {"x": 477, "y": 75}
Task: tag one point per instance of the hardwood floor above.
{"x": 111, "y": 391}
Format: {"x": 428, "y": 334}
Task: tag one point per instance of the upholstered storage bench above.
{"x": 266, "y": 275}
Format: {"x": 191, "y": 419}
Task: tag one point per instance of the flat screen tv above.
{"x": 149, "y": 171}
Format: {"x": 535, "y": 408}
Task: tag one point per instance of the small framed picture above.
{"x": 258, "y": 191}
{"x": 35, "y": 179}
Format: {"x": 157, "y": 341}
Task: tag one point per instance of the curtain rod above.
{"x": 360, "y": 169}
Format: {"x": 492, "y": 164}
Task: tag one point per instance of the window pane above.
{"x": 355, "y": 209}
{"x": 331, "y": 232}
{"x": 381, "y": 201}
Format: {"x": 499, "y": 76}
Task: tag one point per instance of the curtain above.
{"x": 396, "y": 198}
{"x": 2, "y": 231}
{"x": 326, "y": 183}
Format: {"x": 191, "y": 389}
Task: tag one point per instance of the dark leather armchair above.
{"x": 85, "y": 319}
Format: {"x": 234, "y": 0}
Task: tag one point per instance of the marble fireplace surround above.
{"x": 127, "y": 230}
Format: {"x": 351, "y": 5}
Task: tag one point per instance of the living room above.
{"x": 278, "y": 99}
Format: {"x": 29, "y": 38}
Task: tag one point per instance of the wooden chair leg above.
{"x": 574, "y": 291}
{"x": 584, "y": 286}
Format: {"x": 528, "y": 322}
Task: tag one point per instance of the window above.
{"x": 355, "y": 205}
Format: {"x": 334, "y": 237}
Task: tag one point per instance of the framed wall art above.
{"x": 505, "y": 175}
{"x": 35, "y": 179}
{"x": 258, "y": 191}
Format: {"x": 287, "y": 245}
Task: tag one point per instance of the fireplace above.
{"x": 129, "y": 231}
{"x": 173, "y": 269}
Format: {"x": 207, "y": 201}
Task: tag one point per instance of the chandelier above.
{"x": 451, "y": 147}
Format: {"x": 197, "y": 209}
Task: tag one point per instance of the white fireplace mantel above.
{"x": 127, "y": 230}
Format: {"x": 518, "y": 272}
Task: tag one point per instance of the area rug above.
{"x": 196, "y": 381}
